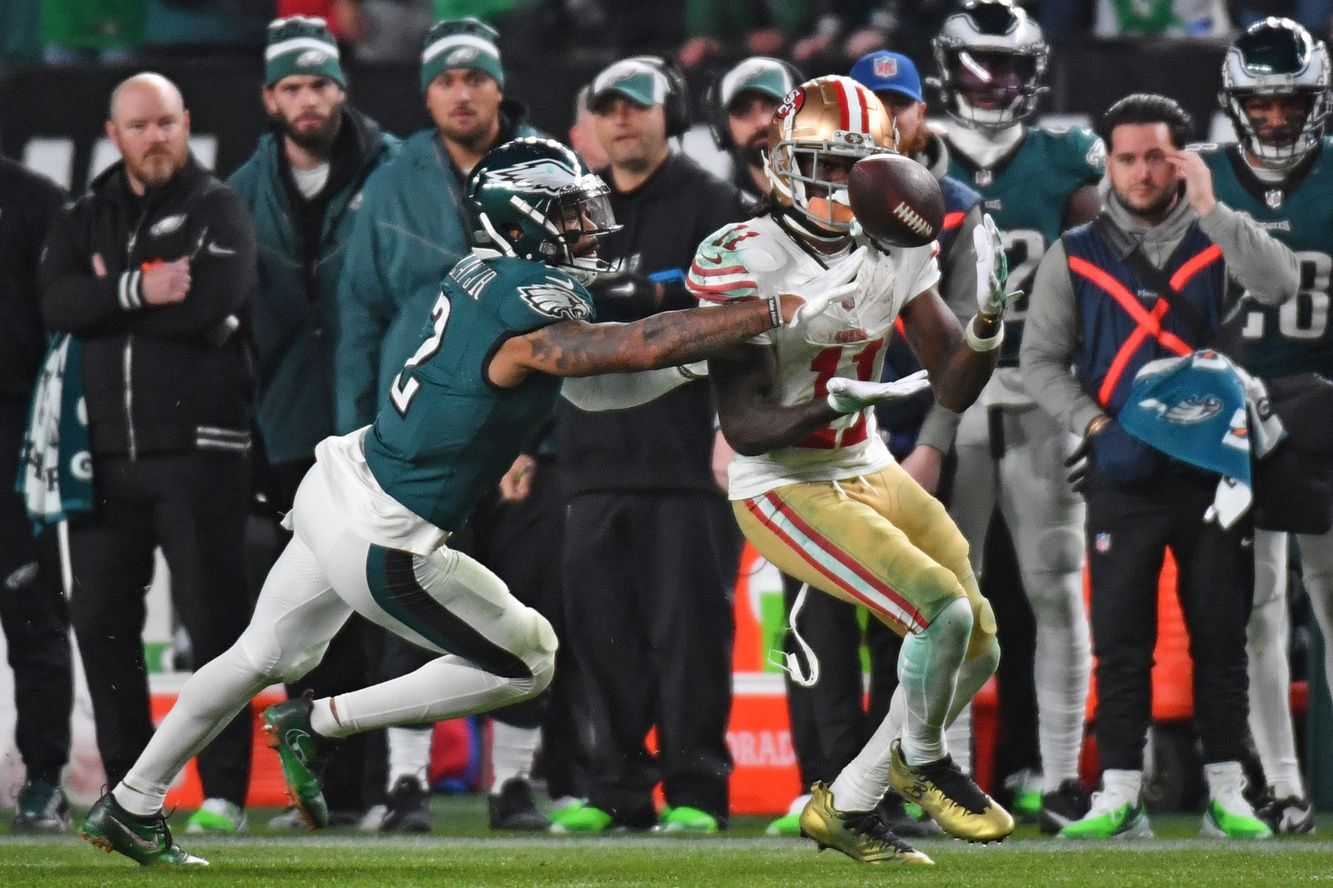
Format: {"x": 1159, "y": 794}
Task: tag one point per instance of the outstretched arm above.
{"x": 577, "y": 348}
{"x": 752, "y": 421}
{"x": 958, "y": 371}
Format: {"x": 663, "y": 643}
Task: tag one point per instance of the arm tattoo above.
{"x": 577, "y": 348}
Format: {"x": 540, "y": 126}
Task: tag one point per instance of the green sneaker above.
{"x": 915, "y": 811}
{"x": 304, "y": 755}
{"x": 1221, "y": 823}
{"x": 1025, "y": 788}
{"x": 583, "y": 819}
{"x": 686, "y": 819}
{"x": 1107, "y": 820}
{"x": 563, "y": 807}
{"x": 40, "y": 807}
{"x": 788, "y": 826}
{"x": 218, "y": 817}
{"x": 145, "y": 840}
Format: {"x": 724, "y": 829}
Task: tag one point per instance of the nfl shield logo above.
{"x": 1273, "y": 197}
{"x": 1102, "y": 543}
{"x": 983, "y": 178}
{"x": 886, "y": 67}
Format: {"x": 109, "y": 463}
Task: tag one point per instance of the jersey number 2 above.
{"x": 405, "y": 385}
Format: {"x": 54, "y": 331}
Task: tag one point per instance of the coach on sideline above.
{"x": 149, "y": 272}
{"x": 1148, "y": 279}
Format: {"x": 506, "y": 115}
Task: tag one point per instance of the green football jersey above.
{"x": 1293, "y": 337}
{"x": 1026, "y": 193}
{"x": 447, "y": 434}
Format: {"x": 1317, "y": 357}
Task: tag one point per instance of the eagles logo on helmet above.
{"x": 1277, "y": 58}
{"x": 534, "y": 199}
{"x": 992, "y": 60}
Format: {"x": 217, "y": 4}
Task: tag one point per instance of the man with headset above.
{"x": 740, "y": 105}
{"x": 650, "y": 549}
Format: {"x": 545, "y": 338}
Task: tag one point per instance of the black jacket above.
{"x": 666, "y": 444}
{"x": 28, "y": 204}
{"x": 157, "y": 378}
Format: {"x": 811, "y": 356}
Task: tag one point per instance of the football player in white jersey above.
{"x": 813, "y": 486}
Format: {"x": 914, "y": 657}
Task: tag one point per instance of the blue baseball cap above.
{"x": 885, "y": 71}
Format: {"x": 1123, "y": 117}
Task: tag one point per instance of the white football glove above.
{"x": 835, "y": 284}
{"x": 853, "y": 396}
{"x": 992, "y": 270}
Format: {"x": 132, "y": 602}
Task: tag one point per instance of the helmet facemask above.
{"x": 992, "y": 62}
{"x": 533, "y": 199}
{"x": 1277, "y": 59}
{"x": 821, "y": 130}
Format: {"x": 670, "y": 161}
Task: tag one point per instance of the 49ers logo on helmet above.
{"x": 791, "y": 103}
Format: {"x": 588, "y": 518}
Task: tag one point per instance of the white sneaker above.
{"x": 373, "y": 819}
{"x": 289, "y": 819}
{"x": 1229, "y": 814}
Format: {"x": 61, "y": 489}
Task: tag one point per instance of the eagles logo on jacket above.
{"x": 156, "y": 378}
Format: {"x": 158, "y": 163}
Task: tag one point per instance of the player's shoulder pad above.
{"x": 728, "y": 262}
{"x": 550, "y": 293}
{"x": 1076, "y": 148}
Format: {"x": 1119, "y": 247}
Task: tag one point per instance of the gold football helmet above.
{"x": 824, "y": 124}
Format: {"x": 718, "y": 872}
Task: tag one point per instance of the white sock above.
{"x": 1122, "y": 787}
{"x": 861, "y": 784}
{"x": 958, "y": 738}
{"x": 1063, "y": 663}
{"x": 512, "y": 750}
{"x": 409, "y": 753}
{"x": 444, "y": 688}
{"x": 207, "y": 703}
{"x": 1269, "y": 671}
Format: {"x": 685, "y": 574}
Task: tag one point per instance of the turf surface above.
{"x": 461, "y": 852}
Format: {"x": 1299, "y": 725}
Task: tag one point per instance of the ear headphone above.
{"x": 716, "y": 114}
{"x": 676, "y": 105}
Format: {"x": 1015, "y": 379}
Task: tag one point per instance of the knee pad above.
{"x": 539, "y": 654}
{"x": 1059, "y": 549}
{"x": 983, "y": 642}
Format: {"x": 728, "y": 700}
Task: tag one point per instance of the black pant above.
{"x": 32, "y": 612}
{"x": 648, "y": 579}
{"x": 1128, "y": 530}
{"x": 829, "y": 722}
{"x": 192, "y": 505}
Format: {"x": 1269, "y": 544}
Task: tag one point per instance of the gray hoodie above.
{"x": 1254, "y": 260}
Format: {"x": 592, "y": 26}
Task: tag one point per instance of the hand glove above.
{"x": 1077, "y": 464}
{"x": 852, "y": 396}
{"x": 992, "y": 270}
{"x": 835, "y": 284}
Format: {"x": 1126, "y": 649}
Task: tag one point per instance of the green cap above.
{"x": 759, "y": 74}
{"x": 638, "y": 79}
{"x": 461, "y": 43}
{"x": 301, "y": 45}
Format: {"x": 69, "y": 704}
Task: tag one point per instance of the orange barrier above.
{"x": 266, "y": 784}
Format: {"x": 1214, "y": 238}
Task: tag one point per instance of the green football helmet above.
{"x": 534, "y": 199}
{"x": 1277, "y": 57}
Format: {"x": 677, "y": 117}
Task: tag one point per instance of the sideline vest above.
{"x": 1123, "y": 322}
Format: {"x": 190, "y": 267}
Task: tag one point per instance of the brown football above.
{"x": 896, "y": 200}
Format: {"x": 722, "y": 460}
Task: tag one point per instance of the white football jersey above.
{"x": 759, "y": 257}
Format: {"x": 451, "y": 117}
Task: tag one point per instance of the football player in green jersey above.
{"x": 1275, "y": 82}
{"x": 372, "y": 517}
{"x": 1035, "y": 183}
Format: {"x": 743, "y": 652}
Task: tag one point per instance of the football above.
{"x": 896, "y": 200}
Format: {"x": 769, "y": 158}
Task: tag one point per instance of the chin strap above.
{"x": 791, "y": 663}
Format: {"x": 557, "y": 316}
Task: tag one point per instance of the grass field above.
{"x": 462, "y": 853}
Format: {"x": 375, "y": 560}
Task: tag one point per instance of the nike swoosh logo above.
{"x": 138, "y": 840}
{"x": 215, "y": 250}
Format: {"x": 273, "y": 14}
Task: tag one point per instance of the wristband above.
{"x": 977, "y": 344}
{"x": 775, "y": 310}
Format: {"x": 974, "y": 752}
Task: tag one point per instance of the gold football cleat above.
{"x": 862, "y": 837}
{"x": 950, "y": 796}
